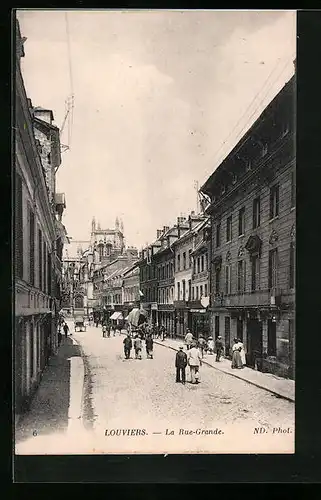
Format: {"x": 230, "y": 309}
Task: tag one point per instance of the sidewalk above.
{"x": 284, "y": 388}
{"x": 55, "y": 410}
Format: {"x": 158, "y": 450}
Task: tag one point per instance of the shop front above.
{"x": 181, "y": 318}
{"x": 199, "y": 323}
{"x": 166, "y": 317}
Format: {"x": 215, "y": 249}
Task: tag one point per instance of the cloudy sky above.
{"x": 160, "y": 98}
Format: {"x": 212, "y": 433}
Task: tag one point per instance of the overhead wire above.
{"x": 70, "y": 100}
{"x": 268, "y": 86}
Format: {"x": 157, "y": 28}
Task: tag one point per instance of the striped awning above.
{"x": 116, "y": 315}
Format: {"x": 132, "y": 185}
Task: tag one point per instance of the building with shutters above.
{"x": 39, "y": 238}
{"x": 251, "y": 202}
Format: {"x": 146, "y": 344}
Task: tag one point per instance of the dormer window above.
{"x": 285, "y": 129}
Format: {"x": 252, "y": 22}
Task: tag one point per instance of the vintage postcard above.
{"x": 155, "y": 215}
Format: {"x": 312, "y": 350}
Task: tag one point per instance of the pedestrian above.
{"x": 104, "y": 330}
{"x": 180, "y": 365}
{"x": 149, "y": 343}
{"x": 236, "y": 355}
{"x": 108, "y": 330}
{"x": 219, "y": 348}
{"x": 127, "y": 346}
{"x": 188, "y": 339}
{"x": 242, "y": 351}
{"x": 194, "y": 362}
{"x": 138, "y": 347}
{"x": 210, "y": 345}
{"x": 66, "y": 329}
{"x": 201, "y": 345}
{"x": 59, "y": 335}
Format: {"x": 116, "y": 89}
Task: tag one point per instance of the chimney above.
{"x": 159, "y": 233}
{"x": 165, "y": 228}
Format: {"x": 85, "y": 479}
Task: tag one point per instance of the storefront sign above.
{"x": 197, "y": 311}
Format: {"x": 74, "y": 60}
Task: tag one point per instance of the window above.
{"x": 217, "y": 279}
{"x": 274, "y": 201}
{"x": 264, "y": 150}
{"x": 202, "y": 263}
{"x": 193, "y": 293}
{"x": 49, "y": 274}
{"x": 228, "y": 279}
{"x": 255, "y": 265}
{"x": 229, "y": 228}
{"x": 201, "y": 291}
{"x": 45, "y": 277}
{"x": 292, "y": 266}
{"x": 198, "y": 264}
{"x": 205, "y": 263}
{"x": 271, "y": 338}
{"x": 31, "y": 247}
{"x": 190, "y": 258}
{"x": 241, "y": 221}
{"x": 184, "y": 260}
{"x": 178, "y": 291}
{"x": 178, "y": 262}
{"x": 40, "y": 259}
{"x": 205, "y": 290}
{"x": 184, "y": 289}
{"x": 256, "y": 212}
{"x": 241, "y": 276}
{"x": 19, "y": 228}
{"x": 197, "y": 293}
{"x": 218, "y": 235}
{"x": 189, "y": 289}
{"x": 273, "y": 268}
{"x": 293, "y": 190}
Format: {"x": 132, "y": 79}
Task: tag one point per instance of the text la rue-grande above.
{"x": 196, "y": 432}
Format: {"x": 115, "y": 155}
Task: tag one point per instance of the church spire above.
{"x": 117, "y": 224}
{"x": 93, "y": 225}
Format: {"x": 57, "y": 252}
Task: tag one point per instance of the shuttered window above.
{"x": 40, "y": 267}
{"x": 19, "y": 228}
{"x": 31, "y": 247}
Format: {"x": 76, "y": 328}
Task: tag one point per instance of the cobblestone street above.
{"x": 142, "y": 394}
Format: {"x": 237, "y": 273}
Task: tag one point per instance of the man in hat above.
{"x": 219, "y": 347}
{"x": 188, "y": 339}
{"x": 180, "y": 365}
{"x": 201, "y": 344}
{"x": 194, "y": 361}
{"x": 210, "y": 345}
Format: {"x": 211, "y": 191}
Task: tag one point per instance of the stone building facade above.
{"x": 252, "y": 208}
{"x": 39, "y": 236}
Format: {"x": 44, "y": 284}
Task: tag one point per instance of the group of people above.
{"x": 107, "y": 328}
{"x": 205, "y": 346}
{"x": 137, "y": 343}
{"x": 193, "y": 359}
{"x": 210, "y": 347}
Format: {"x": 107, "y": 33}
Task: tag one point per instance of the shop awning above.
{"x": 134, "y": 315}
{"x": 116, "y": 315}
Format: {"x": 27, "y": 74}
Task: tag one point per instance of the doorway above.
{"x": 254, "y": 343}
{"x": 227, "y": 335}
{"x": 239, "y": 329}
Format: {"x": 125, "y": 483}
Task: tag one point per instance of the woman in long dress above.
{"x": 242, "y": 352}
{"x": 236, "y": 355}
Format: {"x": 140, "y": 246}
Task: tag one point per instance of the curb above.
{"x": 236, "y": 376}
{"x": 82, "y": 355}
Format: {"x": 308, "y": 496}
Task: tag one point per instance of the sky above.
{"x": 160, "y": 98}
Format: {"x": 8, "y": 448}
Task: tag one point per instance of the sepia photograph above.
{"x": 154, "y": 235}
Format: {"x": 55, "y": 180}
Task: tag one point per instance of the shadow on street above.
{"x": 48, "y": 412}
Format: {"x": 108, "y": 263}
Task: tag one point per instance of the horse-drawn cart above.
{"x": 80, "y": 324}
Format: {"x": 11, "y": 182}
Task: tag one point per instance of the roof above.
{"x": 288, "y": 88}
